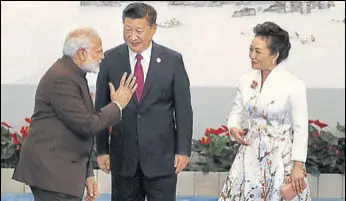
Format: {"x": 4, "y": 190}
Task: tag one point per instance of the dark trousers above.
{"x": 45, "y": 195}
{"x": 138, "y": 187}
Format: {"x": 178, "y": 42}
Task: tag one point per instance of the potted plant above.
{"x": 11, "y": 143}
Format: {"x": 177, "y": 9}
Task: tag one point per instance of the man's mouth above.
{"x": 135, "y": 44}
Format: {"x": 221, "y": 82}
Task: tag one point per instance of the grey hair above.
{"x": 78, "y": 38}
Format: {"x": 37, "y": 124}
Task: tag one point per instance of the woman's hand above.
{"x": 238, "y": 135}
{"x": 298, "y": 176}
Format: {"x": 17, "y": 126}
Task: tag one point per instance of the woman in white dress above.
{"x": 273, "y": 103}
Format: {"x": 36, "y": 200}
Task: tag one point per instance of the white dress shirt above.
{"x": 146, "y": 54}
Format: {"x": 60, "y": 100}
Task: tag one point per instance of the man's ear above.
{"x": 81, "y": 54}
{"x": 153, "y": 29}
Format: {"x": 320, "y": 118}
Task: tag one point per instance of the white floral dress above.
{"x": 278, "y": 133}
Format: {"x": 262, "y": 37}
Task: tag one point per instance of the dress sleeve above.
{"x": 299, "y": 119}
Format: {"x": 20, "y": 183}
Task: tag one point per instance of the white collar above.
{"x": 145, "y": 54}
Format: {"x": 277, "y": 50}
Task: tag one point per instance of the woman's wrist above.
{"x": 298, "y": 164}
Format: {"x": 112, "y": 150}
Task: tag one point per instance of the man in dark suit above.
{"x": 152, "y": 143}
{"x": 55, "y": 158}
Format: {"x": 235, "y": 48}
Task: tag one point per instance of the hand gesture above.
{"x": 180, "y": 162}
{"x": 104, "y": 163}
{"x": 298, "y": 177}
{"x": 125, "y": 91}
{"x": 238, "y": 135}
{"x": 92, "y": 189}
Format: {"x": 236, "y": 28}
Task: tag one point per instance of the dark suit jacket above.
{"x": 153, "y": 130}
{"x": 56, "y": 153}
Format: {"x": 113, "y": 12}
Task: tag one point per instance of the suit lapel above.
{"x": 153, "y": 66}
{"x": 88, "y": 99}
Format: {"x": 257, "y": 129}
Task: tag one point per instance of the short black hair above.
{"x": 279, "y": 40}
{"x": 140, "y": 10}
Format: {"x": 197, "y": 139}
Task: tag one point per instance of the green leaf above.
{"x": 8, "y": 152}
{"x": 20, "y": 138}
{"x": 5, "y": 140}
{"x": 329, "y": 137}
{"x": 219, "y": 154}
{"x": 340, "y": 127}
{"x": 5, "y": 131}
{"x": 314, "y": 170}
{"x": 313, "y": 128}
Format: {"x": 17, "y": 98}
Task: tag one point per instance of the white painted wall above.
{"x": 214, "y": 50}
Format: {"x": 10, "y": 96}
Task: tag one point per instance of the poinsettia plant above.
{"x": 11, "y": 142}
{"x": 326, "y": 149}
{"x": 215, "y": 150}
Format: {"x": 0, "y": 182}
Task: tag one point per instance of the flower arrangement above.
{"x": 11, "y": 142}
{"x": 215, "y": 151}
{"x": 326, "y": 151}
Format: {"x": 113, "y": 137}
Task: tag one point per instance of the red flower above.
{"x": 318, "y": 123}
{"x": 6, "y": 124}
{"x": 207, "y": 141}
{"x": 28, "y": 120}
{"x": 24, "y": 131}
{"x": 316, "y": 134}
{"x": 14, "y": 138}
{"x": 224, "y": 127}
{"x": 218, "y": 131}
{"x": 254, "y": 84}
{"x": 207, "y": 131}
{"x": 204, "y": 140}
{"x": 213, "y": 131}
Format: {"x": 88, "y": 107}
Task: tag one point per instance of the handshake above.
{"x": 123, "y": 95}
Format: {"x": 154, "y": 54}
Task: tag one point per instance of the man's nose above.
{"x": 252, "y": 55}
{"x": 133, "y": 36}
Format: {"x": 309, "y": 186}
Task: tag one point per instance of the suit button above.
{"x": 138, "y": 116}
